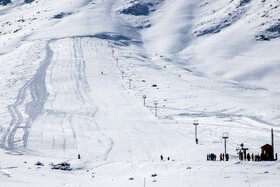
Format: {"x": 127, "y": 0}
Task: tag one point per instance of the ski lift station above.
{"x": 267, "y": 152}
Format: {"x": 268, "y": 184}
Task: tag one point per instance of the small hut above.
{"x": 267, "y": 153}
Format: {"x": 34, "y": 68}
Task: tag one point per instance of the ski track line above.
{"x": 37, "y": 89}
{"x": 39, "y": 92}
{"x": 97, "y": 43}
{"x": 82, "y": 90}
{"x": 70, "y": 128}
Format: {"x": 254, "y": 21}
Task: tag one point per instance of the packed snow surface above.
{"x": 120, "y": 83}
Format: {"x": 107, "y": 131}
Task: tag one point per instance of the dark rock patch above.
{"x": 137, "y": 10}
{"x": 28, "y": 1}
{"x": 62, "y": 166}
{"x": 4, "y": 2}
{"x": 61, "y": 15}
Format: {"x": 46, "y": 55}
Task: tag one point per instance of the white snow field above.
{"x": 74, "y": 73}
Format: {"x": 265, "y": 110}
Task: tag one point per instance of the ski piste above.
{"x": 74, "y": 75}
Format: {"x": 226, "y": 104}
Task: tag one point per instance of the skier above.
{"x": 221, "y": 156}
{"x": 161, "y": 157}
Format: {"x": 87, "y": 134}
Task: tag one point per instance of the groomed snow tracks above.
{"x": 37, "y": 89}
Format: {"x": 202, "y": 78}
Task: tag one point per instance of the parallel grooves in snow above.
{"x": 36, "y": 87}
{"x": 67, "y": 122}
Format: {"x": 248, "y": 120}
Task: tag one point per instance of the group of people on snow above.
{"x": 223, "y": 156}
{"x": 161, "y": 158}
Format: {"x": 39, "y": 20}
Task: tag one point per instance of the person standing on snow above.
{"x": 248, "y": 157}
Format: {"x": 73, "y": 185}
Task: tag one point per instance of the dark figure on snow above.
{"x": 248, "y": 157}
{"x": 79, "y": 156}
{"x": 161, "y": 157}
{"x": 196, "y": 140}
{"x": 168, "y": 158}
{"x": 227, "y": 157}
{"x": 253, "y": 157}
{"x": 213, "y": 157}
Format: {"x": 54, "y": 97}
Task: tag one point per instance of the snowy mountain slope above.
{"x": 221, "y": 39}
{"x": 73, "y": 76}
{"x": 237, "y": 51}
{"x": 90, "y": 125}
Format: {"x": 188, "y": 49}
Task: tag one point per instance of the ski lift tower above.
{"x": 144, "y": 98}
{"x": 225, "y": 137}
{"x": 195, "y": 123}
{"x": 156, "y": 103}
{"x": 272, "y": 144}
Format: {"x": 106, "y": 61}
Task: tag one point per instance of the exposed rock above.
{"x": 4, "y": 2}
{"x": 62, "y": 166}
{"x": 39, "y": 163}
{"x": 137, "y": 10}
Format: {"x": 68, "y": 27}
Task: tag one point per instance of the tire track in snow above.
{"x": 37, "y": 89}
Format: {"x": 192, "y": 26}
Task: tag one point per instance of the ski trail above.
{"x": 67, "y": 126}
{"x": 39, "y": 94}
{"x": 36, "y": 87}
{"x": 80, "y": 106}
{"x": 128, "y": 126}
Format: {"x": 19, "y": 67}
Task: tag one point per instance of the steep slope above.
{"x": 232, "y": 41}
{"x": 92, "y": 115}
{"x": 74, "y": 73}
